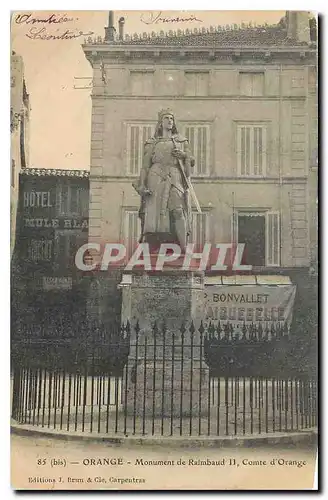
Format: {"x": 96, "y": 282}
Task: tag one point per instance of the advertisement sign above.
{"x": 249, "y": 303}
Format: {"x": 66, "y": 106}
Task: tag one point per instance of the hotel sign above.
{"x": 56, "y": 223}
{"x": 57, "y": 282}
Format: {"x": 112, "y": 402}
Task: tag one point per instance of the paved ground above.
{"x": 43, "y": 463}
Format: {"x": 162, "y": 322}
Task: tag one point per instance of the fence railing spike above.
{"x": 183, "y": 327}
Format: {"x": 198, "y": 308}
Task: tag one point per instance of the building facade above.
{"x": 52, "y": 223}
{"x": 19, "y": 129}
{"x": 246, "y": 98}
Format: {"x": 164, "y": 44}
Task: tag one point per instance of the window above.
{"x": 137, "y": 136}
{"x": 260, "y": 232}
{"x": 40, "y": 250}
{"x": 170, "y": 82}
{"x": 132, "y": 231}
{"x": 251, "y": 150}
{"x": 251, "y": 84}
{"x": 199, "y": 140}
{"x": 141, "y": 83}
{"x": 67, "y": 244}
{"x": 12, "y": 173}
{"x": 72, "y": 200}
{"x": 196, "y": 83}
{"x": 199, "y": 230}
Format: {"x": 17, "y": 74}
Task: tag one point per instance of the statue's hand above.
{"x": 146, "y": 191}
{"x": 141, "y": 190}
{"x": 177, "y": 153}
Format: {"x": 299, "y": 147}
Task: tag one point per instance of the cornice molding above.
{"x": 49, "y": 172}
{"x": 210, "y": 54}
{"x": 210, "y": 179}
{"x": 199, "y": 98}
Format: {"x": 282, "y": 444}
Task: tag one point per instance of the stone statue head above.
{"x": 162, "y": 115}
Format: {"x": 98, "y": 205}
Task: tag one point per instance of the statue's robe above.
{"x": 161, "y": 174}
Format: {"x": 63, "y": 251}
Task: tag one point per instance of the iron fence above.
{"x": 204, "y": 381}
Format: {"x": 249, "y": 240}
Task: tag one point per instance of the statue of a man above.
{"x": 163, "y": 185}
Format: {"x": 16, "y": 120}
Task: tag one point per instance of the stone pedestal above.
{"x": 167, "y": 389}
{"x": 166, "y": 373}
{"x": 172, "y": 296}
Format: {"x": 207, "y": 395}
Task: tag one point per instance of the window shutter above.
{"x": 74, "y": 199}
{"x": 141, "y": 82}
{"x": 84, "y": 202}
{"x": 251, "y": 84}
{"x": 258, "y": 84}
{"x": 234, "y": 227}
{"x": 202, "y": 84}
{"x": 191, "y": 84}
{"x": 199, "y": 234}
{"x": 132, "y": 231}
{"x": 239, "y": 151}
{"x": 251, "y": 150}
{"x": 264, "y": 151}
{"x": 199, "y": 141}
{"x": 272, "y": 238}
{"x": 63, "y": 199}
{"x": 61, "y": 250}
{"x": 246, "y": 83}
{"x": 134, "y": 149}
{"x": 137, "y": 135}
{"x": 196, "y": 83}
{"x": 59, "y": 199}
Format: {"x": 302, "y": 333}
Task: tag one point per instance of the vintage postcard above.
{"x": 164, "y": 250}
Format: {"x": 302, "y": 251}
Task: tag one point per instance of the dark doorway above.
{"x": 251, "y": 231}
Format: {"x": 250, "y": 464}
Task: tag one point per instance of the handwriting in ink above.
{"x": 155, "y": 18}
{"x": 42, "y": 34}
{"x": 51, "y": 19}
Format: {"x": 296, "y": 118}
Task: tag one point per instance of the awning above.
{"x": 248, "y": 280}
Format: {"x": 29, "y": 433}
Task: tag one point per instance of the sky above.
{"x": 60, "y": 119}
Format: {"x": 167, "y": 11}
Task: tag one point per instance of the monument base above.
{"x": 171, "y": 296}
{"x": 167, "y": 389}
{"x": 166, "y": 374}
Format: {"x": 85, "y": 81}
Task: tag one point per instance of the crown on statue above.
{"x": 165, "y": 112}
